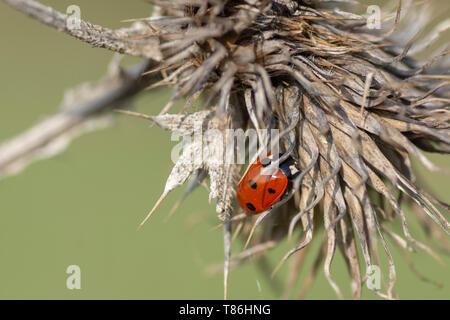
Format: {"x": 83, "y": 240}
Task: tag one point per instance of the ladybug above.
{"x": 259, "y": 190}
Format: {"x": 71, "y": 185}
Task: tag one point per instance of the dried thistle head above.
{"x": 350, "y": 104}
{"x": 355, "y": 105}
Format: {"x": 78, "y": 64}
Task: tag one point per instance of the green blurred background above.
{"x": 83, "y": 206}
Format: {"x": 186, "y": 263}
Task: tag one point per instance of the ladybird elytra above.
{"x": 259, "y": 189}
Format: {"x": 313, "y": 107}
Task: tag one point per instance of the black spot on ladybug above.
{"x": 265, "y": 162}
{"x": 250, "y": 206}
{"x": 271, "y": 190}
{"x": 252, "y": 184}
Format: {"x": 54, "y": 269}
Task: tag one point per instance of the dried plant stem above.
{"x": 50, "y": 136}
{"x": 135, "y": 41}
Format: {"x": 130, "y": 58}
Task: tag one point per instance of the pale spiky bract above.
{"x": 351, "y": 103}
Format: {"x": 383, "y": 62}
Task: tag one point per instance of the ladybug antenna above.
{"x": 163, "y": 196}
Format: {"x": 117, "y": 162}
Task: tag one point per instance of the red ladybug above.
{"x": 259, "y": 190}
